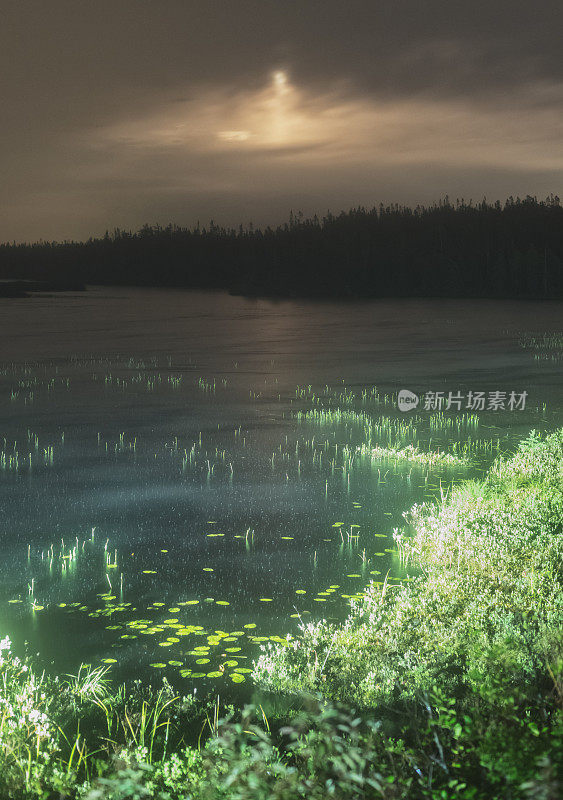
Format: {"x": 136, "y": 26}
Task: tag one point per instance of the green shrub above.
{"x": 448, "y": 686}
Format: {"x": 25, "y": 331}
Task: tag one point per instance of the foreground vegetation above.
{"x": 446, "y": 686}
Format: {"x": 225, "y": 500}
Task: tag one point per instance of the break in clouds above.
{"x": 284, "y": 125}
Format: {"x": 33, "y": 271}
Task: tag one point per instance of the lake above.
{"x": 180, "y": 478}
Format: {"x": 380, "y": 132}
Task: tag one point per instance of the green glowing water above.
{"x": 180, "y": 476}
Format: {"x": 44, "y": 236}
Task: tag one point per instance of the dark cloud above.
{"x": 75, "y": 76}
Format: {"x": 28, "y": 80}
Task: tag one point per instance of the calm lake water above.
{"x": 180, "y": 481}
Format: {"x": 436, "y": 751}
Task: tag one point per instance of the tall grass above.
{"x": 489, "y": 558}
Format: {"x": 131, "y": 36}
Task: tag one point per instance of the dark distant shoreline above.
{"x": 26, "y": 288}
{"x": 497, "y": 251}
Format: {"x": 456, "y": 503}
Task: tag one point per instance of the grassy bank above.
{"x": 446, "y": 686}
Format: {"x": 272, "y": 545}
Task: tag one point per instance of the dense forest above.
{"x": 449, "y": 249}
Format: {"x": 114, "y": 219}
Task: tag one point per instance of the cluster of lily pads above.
{"x": 189, "y": 649}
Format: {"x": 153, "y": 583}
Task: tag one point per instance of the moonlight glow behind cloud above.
{"x": 179, "y": 112}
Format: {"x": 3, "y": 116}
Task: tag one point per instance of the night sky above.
{"x": 121, "y": 112}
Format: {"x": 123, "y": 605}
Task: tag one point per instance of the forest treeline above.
{"x": 449, "y": 249}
